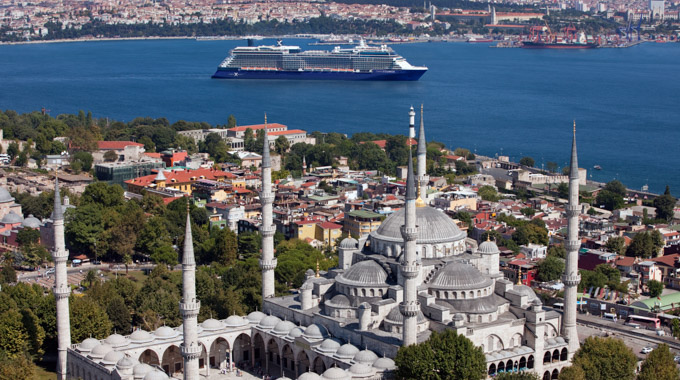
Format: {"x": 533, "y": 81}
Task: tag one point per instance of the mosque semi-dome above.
{"x": 457, "y": 275}
{"x": 112, "y": 358}
{"x": 156, "y": 374}
{"x": 349, "y": 243}
{"x": 12, "y": 218}
{"x": 433, "y": 227}
{"x": 315, "y": 332}
{"x": 99, "y": 351}
{"x": 5, "y": 196}
{"x": 268, "y": 322}
{"x": 329, "y": 345}
{"x": 235, "y": 321}
{"x": 87, "y": 345}
{"x": 364, "y": 273}
{"x": 211, "y": 324}
{"x": 335, "y": 373}
{"x": 361, "y": 370}
{"x": 141, "y": 369}
{"x": 365, "y": 357}
{"x": 346, "y": 351}
{"x": 296, "y": 332}
{"x": 165, "y": 332}
{"x": 283, "y": 327}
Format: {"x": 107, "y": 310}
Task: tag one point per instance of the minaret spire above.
{"x": 409, "y": 266}
{"x": 189, "y": 306}
{"x": 423, "y": 179}
{"x": 61, "y": 288}
{"x": 571, "y": 276}
{"x": 267, "y": 230}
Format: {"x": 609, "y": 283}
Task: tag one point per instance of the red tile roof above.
{"x": 153, "y": 155}
{"x": 116, "y": 145}
{"x": 182, "y": 176}
{"x": 289, "y": 132}
{"x": 329, "y": 226}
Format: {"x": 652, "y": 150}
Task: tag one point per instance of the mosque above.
{"x": 415, "y": 274}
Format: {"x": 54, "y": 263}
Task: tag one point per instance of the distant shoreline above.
{"x": 93, "y": 39}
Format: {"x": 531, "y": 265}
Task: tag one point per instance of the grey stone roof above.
{"x": 31, "y": 222}
{"x": 488, "y": 247}
{"x": 395, "y": 316}
{"x": 488, "y": 304}
{"x": 339, "y": 300}
{"x": 433, "y": 227}
{"x": 457, "y": 275}
{"x": 524, "y": 290}
{"x": 364, "y": 273}
{"x": 349, "y": 243}
{"x": 5, "y": 197}
{"x": 12, "y": 218}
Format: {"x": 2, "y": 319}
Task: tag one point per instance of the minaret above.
{"x": 409, "y": 266}
{"x": 189, "y": 306}
{"x": 267, "y": 261}
{"x": 412, "y": 123}
{"x": 423, "y": 179}
{"x": 304, "y": 166}
{"x": 494, "y": 19}
{"x": 61, "y": 288}
{"x": 571, "y": 276}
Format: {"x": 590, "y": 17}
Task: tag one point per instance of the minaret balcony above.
{"x": 423, "y": 178}
{"x": 60, "y": 255}
{"x": 409, "y": 233}
{"x": 268, "y": 264}
{"x": 409, "y": 271}
{"x": 571, "y": 280}
{"x": 266, "y": 198}
{"x": 189, "y": 309}
{"x": 61, "y": 292}
{"x": 573, "y": 210}
{"x": 572, "y": 245}
{"x": 192, "y": 352}
{"x": 409, "y": 309}
{"x": 267, "y": 231}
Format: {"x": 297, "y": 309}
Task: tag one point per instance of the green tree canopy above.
{"x": 550, "y": 268}
{"x": 659, "y": 365}
{"x": 616, "y": 244}
{"x": 616, "y": 187}
{"x": 609, "y": 200}
{"x": 527, "y": 161}
{"x": 665, "y": 205}
{"x": 445, "y": 355}
{"x": 488, "y": 193}
{"x": 605, "y": 359}
{"x": 655, "y": 288}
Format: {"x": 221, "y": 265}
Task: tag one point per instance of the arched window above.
{"x": 479, "y": 293}
{"x": 546, "y": 359}
{"x": 556, "y": 355}
{"x": 454, "y": 295}
{"x": 492, "y": 369}
{"x": 363, "y": 292}
{"x": 472, "y": 294}
{"x": 372, "y": 292}
{"x": 563, "y": 354}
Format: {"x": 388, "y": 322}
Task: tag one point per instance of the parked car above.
{"x": 677, "y": 358}
{"x": 647, "y": 350}
{"x": 49, "y": 271}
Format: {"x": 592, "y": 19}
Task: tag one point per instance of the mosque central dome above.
{"x": 433, "y": 227}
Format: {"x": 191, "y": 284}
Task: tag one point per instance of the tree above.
{"x": 488, "y": 193}
{"x": 550, "y": 268}
{"x": 605, "y": 359}
{"x": 664, "y": 205}
{"x": 557, "y": 251}
{"x": 27, "y": 236}
{"x": 616, "y": 245}
{"x": 675, "y": 328}
{"x": 226, "y": 246}
{"x": 119, "y": 314}
{"x": 659, "y": 365}
{"x": 655, "y": 288}
{"x": 164, "y": 254}
{"x": 609, "y": 200}
{"x": 149, "y": 145}
{"x": 527, "y": 161}
{"x": 110, "y": 156}
{"x": 563, "y": 190}
{"x": 616, "y": 187}
{"x": 8, "y": 275}
{"x": 642, "y": 245}
{"x": 551, "y": 166}
{"x": 88, "y": 319}
{"x": 281, "y": 145}
{"x": 445, "y": 355}
{"x": 12, "y": 150}
{"x": 572, "y": 373}
{"x": 231, "y": 121}
{"x": 14, "y": 339}
{"x": 85, "y": 159}
{"x": 16, "y": 368}
{"x": 249, "y": 140}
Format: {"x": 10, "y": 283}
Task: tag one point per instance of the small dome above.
{"x": 384, "y": 364}
{"x": 5, "y": 197}
{"x": 88, "y": 344}
{"x": 31, "y": 222}
{"x": 459, "y": 317}
{"x": 141, "y": 336}
{"x": 361, "y": 370}
{"x": 349, "y": 243}
{"x": 488, "y": 248}
{"x": 211, "y": 324}
{"x": 165, "y": 332}
{"x": 526, "y": 291}
{"x": 315, "y": 332}
{"x": 255, "y": 316}
{"x": 112, "y": 358}
{"x": 99, "y": 351}
{"x": 335, "y": 373}
{"x": 296, "y": 332}
{"x": 156, "y": 374}
{"x": 551, "y": 342}
{"x": 235, "y": 321}
{"x": 283, "y": 327}
{"x": 116, "y": 340}
{"x": 347, "y": 351}
{"x": 365, "y": 357}
{"x": 559, "y": 340}
{"x": 395, "y": 316}
{"x": 141, "y": 369}
{"x": 12, "y": 218}
{"x": 284, "y": 378}
{"x": 309, "y": 376}
{"x": 329, "y": 346}
{"x": 459, "y": 275}
{"x": 340, "y": 300}
{"x": 126, "y": 362}
{"x": 268, "y": 322}
{"x": 364, "y": 273}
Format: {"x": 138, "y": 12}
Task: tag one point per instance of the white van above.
{"x": 610, "y": 317}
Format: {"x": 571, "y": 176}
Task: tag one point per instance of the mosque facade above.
{"x": 416, "y": 273}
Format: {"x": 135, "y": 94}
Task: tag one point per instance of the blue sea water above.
{"x": 493, "y": 101}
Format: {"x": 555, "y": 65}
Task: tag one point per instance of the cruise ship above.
{"x": 361, "y": 62}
